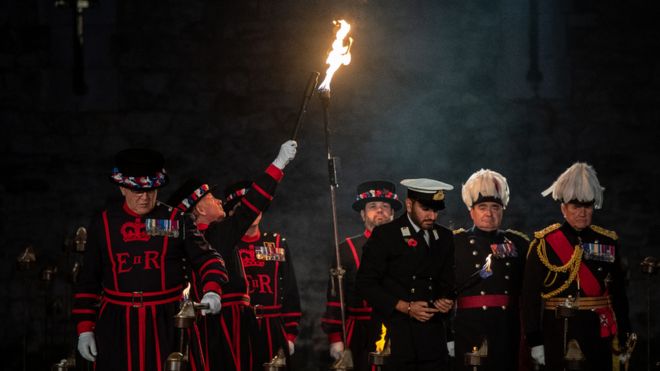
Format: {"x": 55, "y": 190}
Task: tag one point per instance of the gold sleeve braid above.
{"x": 572, "y": 266}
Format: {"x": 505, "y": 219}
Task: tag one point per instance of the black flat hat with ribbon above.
{"x": 376, "y": 190}
{"x": 189, "y": 194}
{"x": 234, "y": 192}
{"x": 139, "y": 169}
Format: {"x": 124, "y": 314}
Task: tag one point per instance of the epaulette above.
{"x": 543, "y": 232}
{"x": 518, "y": 233}
{"x": 604, "y": 232}
{"x": 457, "y": 231}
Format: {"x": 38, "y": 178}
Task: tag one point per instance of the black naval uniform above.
{"x": 397, "y": 264}
{"x": 273, "y": 293}
{"x": 226, "y": 337}
{"x": 603, "y": 306}
{"x": 362, "y": 331}
{"x": 489, "y": 308}
{"x": 133, "y": 267}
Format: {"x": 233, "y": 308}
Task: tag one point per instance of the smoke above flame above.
{"x": 340, "y": 53}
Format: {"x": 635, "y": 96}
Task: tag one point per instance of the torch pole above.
{"x": 338, "y": 272}
{"x": 309, "y": 91}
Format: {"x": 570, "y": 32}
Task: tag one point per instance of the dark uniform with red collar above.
{"x": 489, "y": 308}
{"x": 361, "y": 331}
{"x": 273, "y": 292}
{"x": 134, "y": 267}
{"x": 552, "y": 272}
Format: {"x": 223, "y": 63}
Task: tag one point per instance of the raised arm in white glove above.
{"x": 538, "y": 354}
{"x": 336, "y": 349}
{"x": 287, "y": 153}
{"x": 292, "y": 347}
{"x": 87, "y": 345}
{"x": 213, "y": 300}
{"x": 450, "y": 349}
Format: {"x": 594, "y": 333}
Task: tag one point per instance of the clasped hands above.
{"x": 422, "y": 310}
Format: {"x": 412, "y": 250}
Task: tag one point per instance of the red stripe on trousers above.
{"x": 153, "y": 318}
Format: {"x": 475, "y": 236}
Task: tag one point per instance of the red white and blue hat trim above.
{"x": 139, "y": 182}
{"x": 189, "y": 201}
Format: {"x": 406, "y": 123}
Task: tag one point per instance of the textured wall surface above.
{"x": 436, "y": 89}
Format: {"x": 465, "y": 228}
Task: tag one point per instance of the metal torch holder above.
{"x": 476, "y": 357}
{"x": 345, "y": 362}
{"x": 183, "y": 320}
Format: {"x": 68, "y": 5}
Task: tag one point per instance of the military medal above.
{"x": 162, "y": 227}
{"x": 269, "y": 252}
{"x": 598, "y": 252}
{"x": 504, "y": 250}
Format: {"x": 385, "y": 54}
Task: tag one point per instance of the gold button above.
{"x": 412, "y": 291}
{"x": 506, "y": 277}
{"x": 503, "y": 307}
{"x": 477, "y": 266}
{"x": 474, "y": 252}
{"x": 472, "y": 241}
{"x": 483, "y": 293}
{"x": 484, "y": 307}
{"x": 507, "y": 264}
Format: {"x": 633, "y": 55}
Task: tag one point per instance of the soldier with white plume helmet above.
{"x": 575, "y": 265}
{"x": 488, "y": 309}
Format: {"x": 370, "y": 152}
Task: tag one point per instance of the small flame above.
{"x": 380, "y": 344}
{"x": 485, "y": 270}
{"x": 186, "y": 292}
{"x": 340, "y": 53}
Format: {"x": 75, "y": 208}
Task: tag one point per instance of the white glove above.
{"x": 213, "y": 300}
{"x": 336, "y": 349}
{"x": 87, "y": 346}
{"x": 292, "y": 347}
{"x": 287, "y": 153}
{"x": 450, "y": 349}
{"x": 538, "y": 354}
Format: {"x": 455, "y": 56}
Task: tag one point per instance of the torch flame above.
{"x": 380, "y": 344}
{"x": 186, "y": 292}
{"x": 486, "y": 271}
{"x": 340, "y": 53}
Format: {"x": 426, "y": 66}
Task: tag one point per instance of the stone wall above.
{"x": 435, "y": 89}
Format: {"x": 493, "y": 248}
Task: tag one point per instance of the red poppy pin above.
{"x": 412, "y": 242}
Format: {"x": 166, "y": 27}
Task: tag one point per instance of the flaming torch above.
{"x": 340, "y": 54}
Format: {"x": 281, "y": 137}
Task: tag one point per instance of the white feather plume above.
{"x": 488, "y": 183}
{"x": 578, "y": 182}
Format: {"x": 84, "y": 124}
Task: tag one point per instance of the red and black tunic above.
{"x": 362, "y": 331}
{"x": 131, "y": 283}
{"x": 599, "y": 275}
{"x": 273, "y": 292}
{"x": 226, "y": 337}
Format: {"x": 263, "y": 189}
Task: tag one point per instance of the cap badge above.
{"x": 439, "y": 196}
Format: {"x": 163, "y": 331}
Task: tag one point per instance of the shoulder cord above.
{"x": 572, "y": 266}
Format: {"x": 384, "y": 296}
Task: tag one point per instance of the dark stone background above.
{"x": 436, "y": 89}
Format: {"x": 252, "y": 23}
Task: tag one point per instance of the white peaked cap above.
{"x": 578, "y": 182}
{"x": 485, "y": 185}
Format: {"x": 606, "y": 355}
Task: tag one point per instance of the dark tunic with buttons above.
{"x": 592, "y": 330}
{"x": 489, "y": 308}
{"x": 362, "y": 329}
{"x": 132, "y": 280}
{"x": 273, "y": 292}
{"x": 397, "y": 264}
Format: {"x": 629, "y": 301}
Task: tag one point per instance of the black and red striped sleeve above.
{"x": 291, "y": 312}
{"x": 226, "y": 234}
{"x": 331, "y": 319}
{"x": 87, "y": 290}
{"x": 210, "y": 271}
